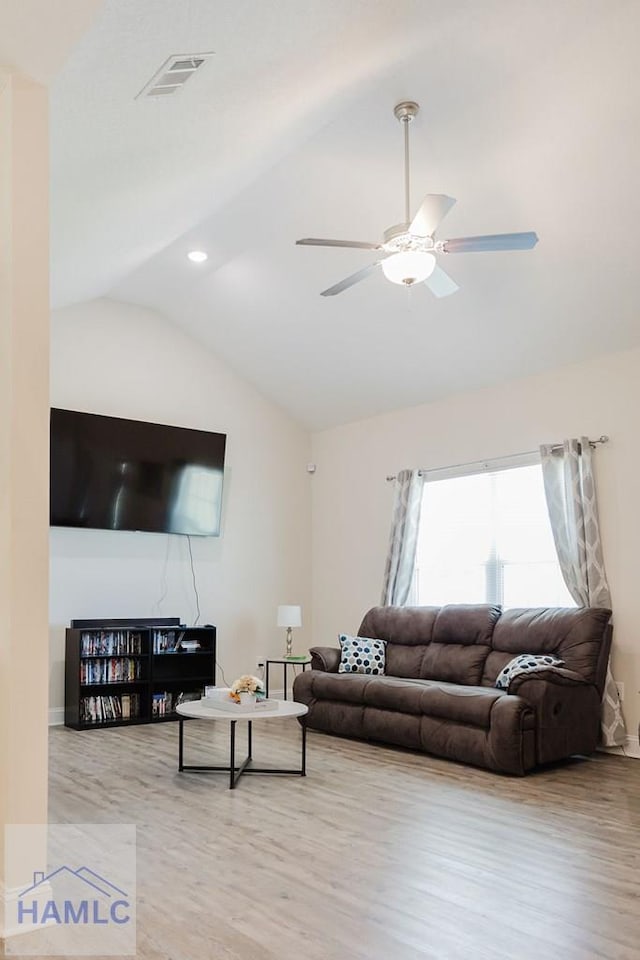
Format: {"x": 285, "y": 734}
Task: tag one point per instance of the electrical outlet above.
{"x": 620, "y": 687}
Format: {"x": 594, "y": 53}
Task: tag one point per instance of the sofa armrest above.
{"x": 556, "y": 675}
{"x": 325, "y": 658}
{"x": 566, "y": 708}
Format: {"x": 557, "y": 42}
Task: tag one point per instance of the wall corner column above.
{"x": 24, "y": 454}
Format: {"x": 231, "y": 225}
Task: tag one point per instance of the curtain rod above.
{"x": 471, "y": 463}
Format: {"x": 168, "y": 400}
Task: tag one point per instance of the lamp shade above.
{"x": 289, "y": 616}
{"x": 409, "y": 267}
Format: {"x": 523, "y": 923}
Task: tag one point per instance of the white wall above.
{"x": 120, "y": 360}
{"x": 352, "y": 501}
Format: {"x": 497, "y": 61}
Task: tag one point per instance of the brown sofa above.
{"x": 438, "y": 693}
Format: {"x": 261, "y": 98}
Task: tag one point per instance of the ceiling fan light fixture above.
{"x": 409, "y": 248}
{"x": 409, "y": 267}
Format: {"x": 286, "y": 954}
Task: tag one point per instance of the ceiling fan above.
{"x": 410, "y": 248}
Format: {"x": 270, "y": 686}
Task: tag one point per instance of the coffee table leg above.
{"x": 232, "y": 755}
{"x": 266, "y": 678}
{"x": 284, "y": 677}
{"x": 303, "y": 771}
{"x": 249, "y": 739}
{"x": 181, "y": 746}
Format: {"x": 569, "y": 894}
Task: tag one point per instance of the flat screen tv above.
{"x": 113, "y": 474}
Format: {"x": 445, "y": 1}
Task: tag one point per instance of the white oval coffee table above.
{"x": 206, "y": 709}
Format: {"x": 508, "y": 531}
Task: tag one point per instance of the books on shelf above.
{"x": 103, "y": 709}
{"x": 162, "y": 704}
{"x": 110, "y": 670}
{"x": 174, "y": 641}
{"x": 165, "y": 703}
{"x": 110, "y": 643}
{"x": 164, "y": 641}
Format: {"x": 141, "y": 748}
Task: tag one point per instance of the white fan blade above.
{"x": 495, "y": 241}
{"x": 433, "y": 210}
{"x": 349, "y": 281}
{"x": 361, "y": 245}
{"x": 441, "y": 284}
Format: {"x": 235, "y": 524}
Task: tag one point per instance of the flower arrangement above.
{"x": 246, "y": 684}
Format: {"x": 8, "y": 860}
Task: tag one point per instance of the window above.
{"x": 486, "y": 538}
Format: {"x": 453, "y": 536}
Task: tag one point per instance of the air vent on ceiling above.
{"x": 173, "y": 74}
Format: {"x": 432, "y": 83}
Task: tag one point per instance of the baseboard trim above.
{"x": 631, "y": 748}
{"x": 56, "y": 716}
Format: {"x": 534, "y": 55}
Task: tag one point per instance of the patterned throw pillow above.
{"x": 525, "y": 663}
{"x": 361, "y": 655}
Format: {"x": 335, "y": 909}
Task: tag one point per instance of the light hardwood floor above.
{"x": 379, "y": 854}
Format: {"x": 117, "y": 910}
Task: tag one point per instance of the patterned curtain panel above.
{"x": 405, "y": 524}
{"x": 571, "y": 499}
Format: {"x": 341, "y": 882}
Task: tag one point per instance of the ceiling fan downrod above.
{"x": 404, "y": 112}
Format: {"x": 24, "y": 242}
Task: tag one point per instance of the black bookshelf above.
{"x": 122, "y": 672}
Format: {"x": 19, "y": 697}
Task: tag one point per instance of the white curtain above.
{"x": 571, "y": 500}
{"x": 405, "y": 524}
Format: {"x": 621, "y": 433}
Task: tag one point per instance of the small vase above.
{"x": 247, "y": 700}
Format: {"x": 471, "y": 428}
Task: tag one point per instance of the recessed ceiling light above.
{"x": 197, "y": 256}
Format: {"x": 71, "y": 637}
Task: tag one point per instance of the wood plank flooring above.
{"x": 379, "y": 853}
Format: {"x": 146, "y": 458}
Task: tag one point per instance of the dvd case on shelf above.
{"x": 104, "y": 709}
{"x": 110, "y": 670}
{"x": 110, "y": 643}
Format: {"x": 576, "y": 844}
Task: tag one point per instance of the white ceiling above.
{"x": 530, "y": 117}
{"x": 36, "y": 36}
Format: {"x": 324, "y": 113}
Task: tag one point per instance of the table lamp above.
{"x": 289, "y": 617}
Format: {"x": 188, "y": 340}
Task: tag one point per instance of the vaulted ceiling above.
{"x": 529, "y": 117}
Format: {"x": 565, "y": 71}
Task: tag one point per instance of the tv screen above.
{"x": 113, "y": 474}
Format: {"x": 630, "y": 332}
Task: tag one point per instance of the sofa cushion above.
{"x": 416, "y": 626}
{"x": 441, "y": 643}
{"x": 464, "y": 623}
{"x": 410, "y": 626}
{"x": 361, "y": 655}
{"x": 526, "y": 663}
{"x": 575, "y": 635}
{"x": 454, "y": 663}
{"x": 404, "y": 661}
{"x": 446, "y": 701}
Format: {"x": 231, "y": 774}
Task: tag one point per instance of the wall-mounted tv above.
{"x": 108, "y": 473}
